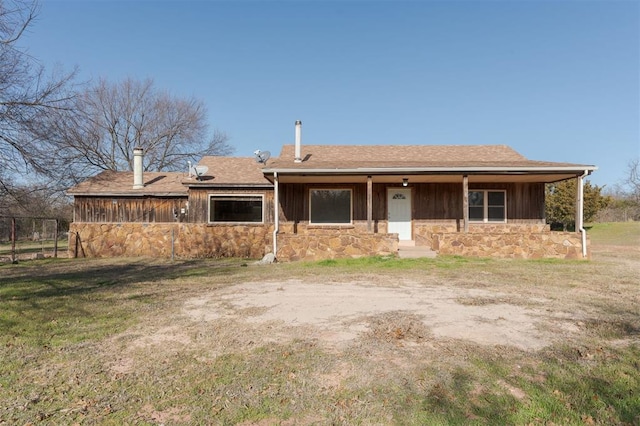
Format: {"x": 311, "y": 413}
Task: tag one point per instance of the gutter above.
{"x": 226, "y": 185}
{"x": 128, "y": 194}
{"x": 403, "y": 170}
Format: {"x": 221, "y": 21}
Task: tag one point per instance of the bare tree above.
{"x": 624, "y": 197}
{"x": 65, "y": 136}
{"x": 633, "y": 179}
{"x": 26, "y": 93}
{"x": 108, "y": 120}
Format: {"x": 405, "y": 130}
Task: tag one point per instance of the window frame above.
{"x": 235, "y": 195}
{"x": 350, "y": 190}
{"x": 485, "y": 207}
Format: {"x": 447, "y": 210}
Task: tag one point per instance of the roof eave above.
{"x": 229, "y": 185}
{"x": 578, "y": 169}
{"x": 128, "y": 194}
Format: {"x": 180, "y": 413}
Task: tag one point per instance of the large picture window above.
{"x": 487, "y": 206}
{"x": 236, "y": 208}
{"x": 330, "y": 206}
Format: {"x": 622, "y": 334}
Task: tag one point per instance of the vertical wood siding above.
{"x": 437, "y": 201}
{"x": 524, "y": 200}
{"x": 431, "y": 201}
{"x": 128, "y": 209}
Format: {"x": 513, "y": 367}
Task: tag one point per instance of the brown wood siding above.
{"x": 379, "y": 201}
{"x": 294, "y": 200}
{"x": 437, "y": 201}
{"x": 128, "y": 209}
{"x": 524, "y": 200}
{"x": 359, "y": 201}
{"x": 199, "y": 202}
{"x": 529, "y": 201}
{"x": 431, "y": 201}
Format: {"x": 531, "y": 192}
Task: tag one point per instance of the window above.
{"x": 487, "y": 206}
{"x": 236, "y": 208}
{"x": 330, "y": 206}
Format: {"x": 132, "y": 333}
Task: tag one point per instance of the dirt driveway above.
{"x": 526, "y": 309}
{"x": 340, "y": 312}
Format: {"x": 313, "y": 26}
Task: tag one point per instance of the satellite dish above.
{"x": 262, "y": 156}
{"x": 200, "y": 171}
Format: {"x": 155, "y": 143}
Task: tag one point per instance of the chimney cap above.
{"x": 298, "y": 122}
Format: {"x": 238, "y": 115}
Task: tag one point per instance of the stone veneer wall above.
{"x": 531, "y": 245}
{"x": 423, "y": 231}
{"x": 312, "y": 242}
{"x": 190, "y": 240}
{"x": 318, "y": 243}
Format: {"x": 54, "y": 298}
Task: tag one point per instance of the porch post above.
{"x": 579, "y": 204}
{"x": 369, "y": 203}
{"x": 276, "y": 217}
{"x": 580, "y": 213}
{"x": 465, "y": 202}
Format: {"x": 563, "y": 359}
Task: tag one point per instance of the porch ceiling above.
{"x": 424, "y": 178}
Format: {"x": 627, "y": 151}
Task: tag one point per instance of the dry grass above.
{"x": 155, "y": 342}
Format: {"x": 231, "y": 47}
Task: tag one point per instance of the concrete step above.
{"x": 414, "y": 252}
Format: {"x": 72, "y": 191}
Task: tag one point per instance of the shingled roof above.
{"x": 223, "y": 171}
{"x": 333, "y": 160}
{"x": 230, "y": 171}
{"x": 351, "y": 157}
{"x": 110, "y": 183}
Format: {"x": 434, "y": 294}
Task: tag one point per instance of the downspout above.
{"x": 580, "y": 213}
{"x": 465, "y": 202}
{"x": 276, "y": 204}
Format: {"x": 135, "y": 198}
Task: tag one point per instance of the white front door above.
{"x": 399, "y": 208}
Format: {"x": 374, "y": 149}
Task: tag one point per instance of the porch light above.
{"x": 405, "y": 181}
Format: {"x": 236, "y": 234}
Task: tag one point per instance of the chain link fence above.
{"x": 24, "y": 238}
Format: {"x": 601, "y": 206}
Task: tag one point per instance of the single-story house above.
{"x": 328, "y": 201}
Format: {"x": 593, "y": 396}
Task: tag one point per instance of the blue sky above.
{"x": 555, "y": 80}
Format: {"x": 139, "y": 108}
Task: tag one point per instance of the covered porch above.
{"x": 416, "y": 212}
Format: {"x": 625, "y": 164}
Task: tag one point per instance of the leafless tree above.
{"x": 108, "y": 120}
{"x": 26, "y": 93}
{"x": 65, "y": 136}
{"x": 633, "y": 179}
{"x": 624, "y": 196}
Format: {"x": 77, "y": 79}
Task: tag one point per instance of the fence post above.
{"x": 13, "y": 240}
{"x": 55, "y": 241}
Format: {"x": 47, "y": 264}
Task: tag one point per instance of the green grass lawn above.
{"x": 76, "y": 345}
{"x": 28, "y": 247}
{"x": 618, "y": 233}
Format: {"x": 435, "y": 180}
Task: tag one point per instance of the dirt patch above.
{"x": 398, "y": 327}
{"x": 341, "y": 312}
{"x": 380, "y": 327}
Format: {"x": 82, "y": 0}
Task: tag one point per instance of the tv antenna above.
{"x": 262, "y": 156}
{"x": 199, "y": 171}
